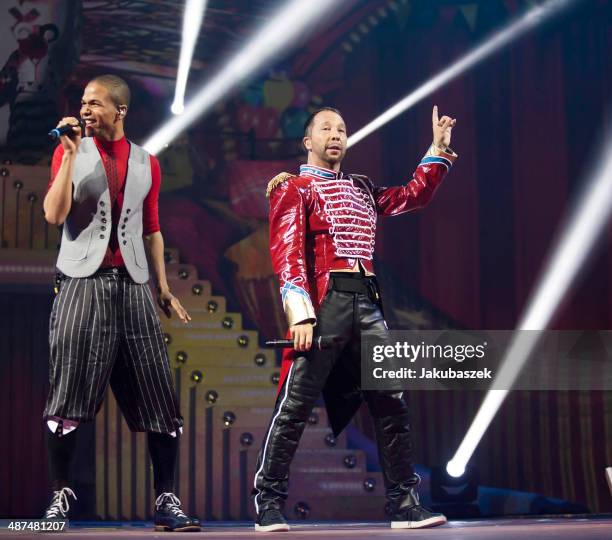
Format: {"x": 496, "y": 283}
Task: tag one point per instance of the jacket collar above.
{"x": 319, "y": 173}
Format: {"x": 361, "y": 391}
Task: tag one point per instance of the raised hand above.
{"x": 71, "y": 142}
{"x": 441, "y": 128}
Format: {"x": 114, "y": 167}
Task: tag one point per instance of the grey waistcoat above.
{"x": 87, "y": 228}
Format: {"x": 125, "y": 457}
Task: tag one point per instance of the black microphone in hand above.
{"x": 321, "y": 342}
{"x": 66, "y": 129}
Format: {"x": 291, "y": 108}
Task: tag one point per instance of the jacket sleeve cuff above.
{"x": 297, "y": 305}
{"x": 434, "y": 154}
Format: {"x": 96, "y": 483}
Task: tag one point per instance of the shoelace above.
{"x": 171, "y": 502}
{"x": 59, "y": 504}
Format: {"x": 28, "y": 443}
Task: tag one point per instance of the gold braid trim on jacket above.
{"x": 277, "y": 181}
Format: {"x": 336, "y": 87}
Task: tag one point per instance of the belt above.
{"x": 112, "y": 271}
{"x": 354, "y": 283}
{"x": 106, "y": 271}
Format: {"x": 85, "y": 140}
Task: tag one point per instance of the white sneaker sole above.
{"x": 431, "y": 522}
{"x": 278, "y": 527}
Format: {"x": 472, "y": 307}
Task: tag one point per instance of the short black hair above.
{"x": 310, "y": 119}
{"x": 118, "y": 89}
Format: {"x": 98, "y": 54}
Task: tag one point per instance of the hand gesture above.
{"x": 71, "y": 142}
{"x": 441, "y": 129}
{"x": 167, "y": 300}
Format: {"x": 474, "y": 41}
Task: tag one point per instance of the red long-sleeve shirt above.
{"x": 115, "y": 159}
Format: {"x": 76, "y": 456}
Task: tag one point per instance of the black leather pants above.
{"x": 348, "y": 316}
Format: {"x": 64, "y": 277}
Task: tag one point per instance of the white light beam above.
{"x": 534, "y": 17}
{"x": 293, "y": 19}
{"x": 576, "y": 241}
{"x": 192, "y": 23}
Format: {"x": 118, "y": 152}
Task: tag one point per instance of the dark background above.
{"x": 530, "y": 122}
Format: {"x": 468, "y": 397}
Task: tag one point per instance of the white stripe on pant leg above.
{"x": 80, "y": 304}
{"x": 161, "y": 365}
{"x": 155, "y": 377}
{"x": 102, "y": 360}
{"x": 105, "y": 340}
{"x": 162, "y": 368}
{"x": 145, "y": 384}
{"x": 98, "y": 353}
{"x": 132, "y": 377}
{"x": 53, "y": 346}
{"x": 263, "y": 454}
{"x": 64, "y": 323}
{"x": 129, "y": 360}
{"x": 92, "y": 318}
{"x": 147, "y": 375}
{"x": 147, "y": 379}
{"x": 134, "y": 384}
{"x": 130, "y": 354}
{"x": 72, "y": 391}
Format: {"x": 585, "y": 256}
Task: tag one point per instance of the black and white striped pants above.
{"x": 105, "y": 328}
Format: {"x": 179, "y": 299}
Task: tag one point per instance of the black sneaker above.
{"x": 59, "y": 507}
{"x": 411, "y": 515}
{"x": 271, "y": 521}
{"x": 170, "y": 517}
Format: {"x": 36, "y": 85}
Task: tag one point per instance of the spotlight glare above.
{"x": 284, "y": 29}
{"x": 577, "y": 239}
{"x": 192, "y": 22}
{"x": 455, "y": 469}
{"x": 516, "y": 29}
{"x": 177, "y": 108}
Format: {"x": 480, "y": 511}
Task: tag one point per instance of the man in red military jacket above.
{"x": 322, "y": 232}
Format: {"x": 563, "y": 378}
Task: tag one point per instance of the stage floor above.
{"x": 587, "y": 528}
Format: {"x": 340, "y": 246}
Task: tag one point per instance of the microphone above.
{"x": 321, "y": 342}
{"x": 66, "y": 129}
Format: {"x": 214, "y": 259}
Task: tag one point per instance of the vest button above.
{"x": 103, "y": 220}
{"x": 101, "y": 203}
{"x": 128, "y": 210}
{"x": 102, "y": 213}
{"x": 123, "y": 226}
{"x": 124, "y": 219}
{"x": 124, "y": 242}
{"x": 122, "y": 234}
{"x": 103, "y": 228}
{"x": 101, "y": 237}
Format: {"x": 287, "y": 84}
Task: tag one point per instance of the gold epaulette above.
{"x": 276, "y": 181}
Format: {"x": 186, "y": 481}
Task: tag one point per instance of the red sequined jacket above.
{"x": 321, "y": 221}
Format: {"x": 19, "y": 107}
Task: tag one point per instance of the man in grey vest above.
{"x": 104, "y": 326}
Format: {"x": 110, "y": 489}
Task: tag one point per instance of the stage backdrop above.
{"x": 530, "y": 120}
